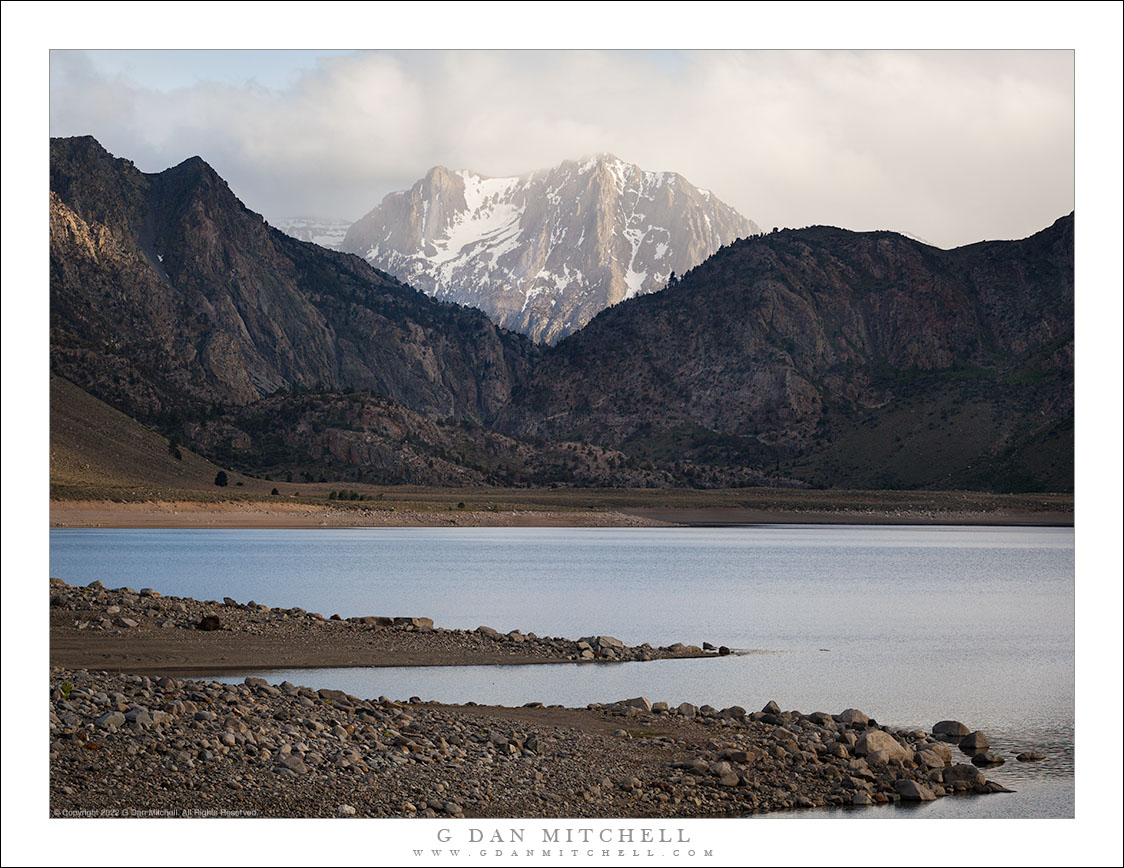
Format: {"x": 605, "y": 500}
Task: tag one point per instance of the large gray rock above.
{"x": 938, "y": 747}
{"x": 637, "y": 702}
{"x": 911, "y": 791}
{"x": 929, "y": 759}
{"x": 875, "y": 741}
{"x": 951, "y": 728}
{"x": 839, "y": 750}
{"x": 853, "y": 717}
{"x": 771, "y": 708}
{"x": 987, "y": 758}
{"x": 608, "y": 642}
{"x": 111, "y": 720}
{"x": 422, "y": 624}
{"x": 335, "y": 697}
{"x": 974, "y": 742}
{"x": 293, "y": 763}
{"x": 963, "y": 773}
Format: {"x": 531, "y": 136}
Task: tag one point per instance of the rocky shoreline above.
{"x": 135, "y": 739}
{"x": 132, "y": 745}
{"x": 127, "y": 630}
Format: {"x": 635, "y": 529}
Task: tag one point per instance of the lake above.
{"x": 910, "y": 624}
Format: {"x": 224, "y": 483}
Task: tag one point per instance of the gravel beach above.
{"x": 143, "y": 742}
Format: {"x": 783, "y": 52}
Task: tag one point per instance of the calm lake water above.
{"x": 912, "y": 625}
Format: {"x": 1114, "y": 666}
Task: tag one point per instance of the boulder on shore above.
{"x": 911, "y": 791}
{"x": 853, "y": 717}
{"x": 951, "y": 728}
{"x": 875, "y": 741}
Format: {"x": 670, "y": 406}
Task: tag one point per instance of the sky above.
{"x": 951, "y": 147}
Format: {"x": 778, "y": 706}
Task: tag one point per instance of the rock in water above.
{"x": 974, "y": 742}
{"x": 911, "y": 791}
{"x": 952, "y": 728}
{"x": 964, "y": 773}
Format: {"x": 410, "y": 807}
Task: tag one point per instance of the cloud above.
{"x": 953, "y": 147}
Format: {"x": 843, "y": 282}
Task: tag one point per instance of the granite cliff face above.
{"x": 850, "y": 357}
{"x": 169, "y": 298}
{"x": 543, "y": 253}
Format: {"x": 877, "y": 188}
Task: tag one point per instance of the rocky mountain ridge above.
{"x": 169, "y": 297}
{"x": 810, "y": 357}
{"x": 785, "y": 343}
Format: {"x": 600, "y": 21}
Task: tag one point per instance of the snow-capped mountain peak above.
{"x": 543, "y": 253}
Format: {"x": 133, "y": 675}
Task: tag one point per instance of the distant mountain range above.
{"x": 326, "y": 233}
{"x": 543, "y": 253}
{"x": 805, "y": 357}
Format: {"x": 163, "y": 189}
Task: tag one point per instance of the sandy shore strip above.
{"x": 265, "y": 515}
{"x": 252, "y": 514}
{"x": 126, "y": 630}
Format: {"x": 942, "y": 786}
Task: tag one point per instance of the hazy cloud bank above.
{"x": 953, "y": 147}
